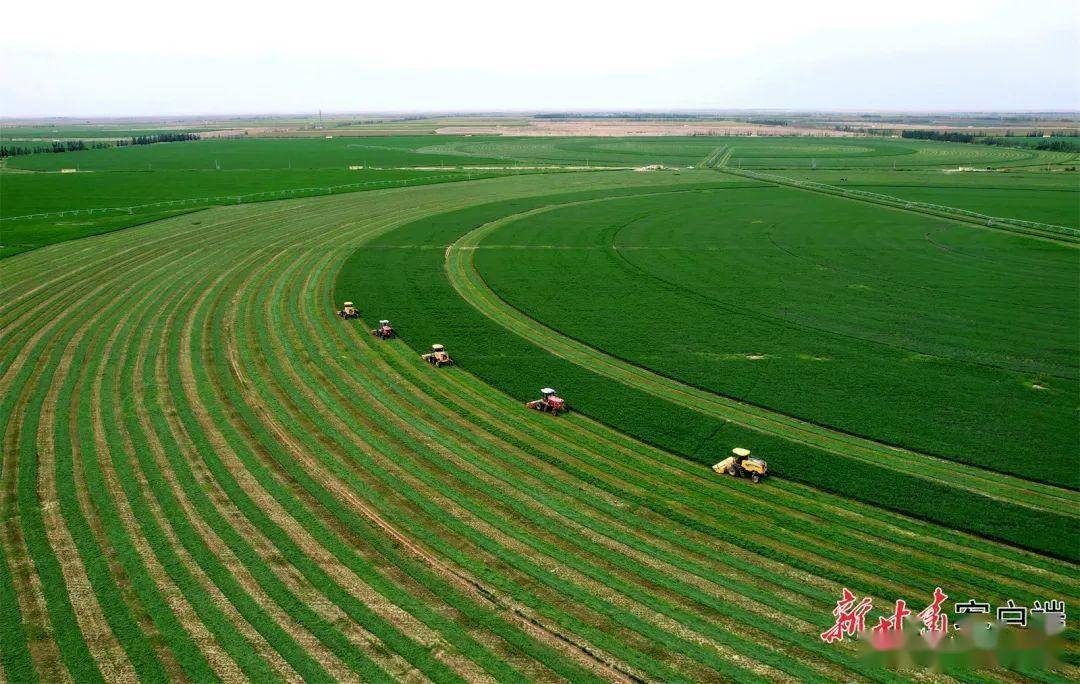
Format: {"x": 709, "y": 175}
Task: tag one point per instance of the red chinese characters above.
{"x": 934, "y": 619}
{"x": 895, "y": 623}
{"x": 850, "y": 617}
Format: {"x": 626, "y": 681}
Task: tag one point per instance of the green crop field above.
{"x": 750, "y": 152}
{"x": 118, "y": 187}
{"x": 750, "y": 292}
{"x": 207, "y": 475}
{"x": 20, "y": 133}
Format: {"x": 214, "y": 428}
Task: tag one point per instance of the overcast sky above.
{"x": 129, "y": 57}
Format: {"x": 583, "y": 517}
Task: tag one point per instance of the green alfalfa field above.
{"x": 207, "y": 475}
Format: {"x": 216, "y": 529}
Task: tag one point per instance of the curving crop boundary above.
{"x": 469, "y": 283}
{"x": 198, "y": 454}
{"x": 1029, "y": 514}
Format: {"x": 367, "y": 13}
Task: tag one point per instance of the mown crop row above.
{"x": 415, "y": 288}
{"x": 257, "y": 489}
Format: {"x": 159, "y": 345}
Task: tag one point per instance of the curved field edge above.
{"x": 401, "y": 275}
{"x": 471, "y": 286}
{"x": 269, "y": 460}
{"x": 25, "y": 233}
{"x": 570, "y": 268}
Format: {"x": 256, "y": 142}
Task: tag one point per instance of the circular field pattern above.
{"x": 880, "y": 318}
{"x": 207, "y": 475}
{"x": 749, "y": 152}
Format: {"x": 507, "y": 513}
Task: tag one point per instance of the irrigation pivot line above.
{"x": 1065, "y": 232}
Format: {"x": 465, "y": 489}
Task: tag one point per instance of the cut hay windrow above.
{"x": 709, "y": 512}
{"x": 119, "y": 527}
{"x": 980, "y": 479}
{"x": 655, "y": 493}
{"x": 198, "y": 573}
{"x": 355, "y": 609}
{"x": 271, "y": 493}
{"x": 274, "y": 327}
{"x": 551, "y": 660}
{"x": 68, "y": 329}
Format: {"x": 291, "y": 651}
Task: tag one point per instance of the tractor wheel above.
{"x": 755, "y": 478}
{"x": 731, "y": 471}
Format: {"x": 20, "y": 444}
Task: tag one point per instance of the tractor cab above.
{"x": 438, "y": 356}
{"x": 348, "y": 310}
{"x": 742, "y": 464}
{"x": 756, "y": 464}
{"x": 384, "y": 331}
{"x": 549, "y": 402}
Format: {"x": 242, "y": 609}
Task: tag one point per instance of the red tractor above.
{"x": 349, "y": 311}
{"x": 384, "y": 331}
{"x": 549, "y": 403}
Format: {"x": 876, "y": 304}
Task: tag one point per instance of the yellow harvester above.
{"x": 742, "y": 464}
{"x": 438, "y": 356}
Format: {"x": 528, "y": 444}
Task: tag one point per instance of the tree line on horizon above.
{"x": 1046, "y": 144}
{"x": 57, "y": 146}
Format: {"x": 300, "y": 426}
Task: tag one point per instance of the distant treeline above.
{"x": 937, "y": 135}
{"x": 1049, "y": 144}
{"x": 55, "y": 146}
{"x": 158, "y": 138}
{"x": 17, "y": 150}
{"x": 1043, "y": 143}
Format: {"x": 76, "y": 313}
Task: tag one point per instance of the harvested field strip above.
{"x": 144, "y": 660}
{"x": 325, "y": 414}
{"x": 287, "y": 641}
{"x": 118, "y": 529}
{"x": 469, "y": 284}
{"x": 192, "y": 584}
{"x": 28, "y": 433}
{"x": 191, "y": 565}
{"x": 378, "y": 471}
{"x": 279, "y": 325}
{"x": 717, "y": 158}
{"x": 268, "y": 485}
{"x": 675, "y": 489}
{"x": 708, "y": 507}
{"x": 354, "y": 608}
{"x": 387, "y": 402}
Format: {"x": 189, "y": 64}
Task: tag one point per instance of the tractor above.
{"x": 549, "y": 403}
{"x": 384, "y": 331}
{"x": 438, "y": 356}
{"x": 349, "y": 311}
{"x": 742, "y": 464}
